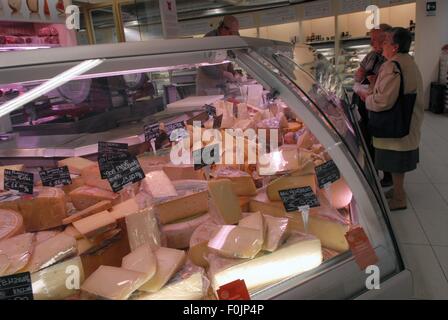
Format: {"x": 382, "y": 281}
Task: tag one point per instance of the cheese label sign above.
{"x": 298, "y": 197}
{"x": 16, "y": 287}
{"x": 124, "y": 172}
{"x": 361, "y": 247}
{"x": 19, "y": 181}
{"x": 55, "y": 177}
{"x": 151, "y": 131}
{"x": 170, "y": 127}
{"x": 106, "y": 161}
{"x": 235, "y": 290}
{"x": 327, "y": 173}
{"x": 112, "y": 147}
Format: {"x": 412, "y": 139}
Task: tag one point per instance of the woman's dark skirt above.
{"x": 396, "y": 161}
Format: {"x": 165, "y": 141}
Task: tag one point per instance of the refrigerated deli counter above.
{"x": 135, "y": 222}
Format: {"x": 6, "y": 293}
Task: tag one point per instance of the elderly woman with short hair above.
{"x": 397, "y": 155}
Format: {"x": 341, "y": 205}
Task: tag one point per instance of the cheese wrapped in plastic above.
{"x": 242, "y": 183}
{"x": 300, "y": 254}
{"x": 199, "y": 243}
{"x": 178, "y": 234}
{"x": 142, "y": 228}
{"x": 285, "y": 159}
{"x": 15, "y": 253}
{"x": 276, "y": 232}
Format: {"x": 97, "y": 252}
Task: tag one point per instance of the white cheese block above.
{"x": 178, "y": 234}
{"x": 289, "y": 182}
{"x": 11, "y": 224}
{"x": 97, "y": 207}
{"x": 254, "y": 221}
{"x": 276, "y": 232}
{"x": 112, "y": 283}
{"x": 142, "y": 228}
{"x": 51, "y": 251}
{"x": 18, "y": 249}
{"x": 290, "y": 260}
{"x": 236, "y": 242}
{"x": 87, "y": 196}
{"x": 226, "y": 205}
{"x": 58, "y": 281}
{"x": 75, "y": 164}
{"x": 96, "y": 224}
{"x": 15, "y": 167}
{"x": 141, "y": 260}
{"x": 158, "y": 186}
{"x": 169, "y": 261}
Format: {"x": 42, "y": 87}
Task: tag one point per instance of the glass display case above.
{"x": 186, "y": 228}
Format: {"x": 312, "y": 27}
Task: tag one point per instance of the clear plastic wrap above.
{"x": 178, "y": 234}
{"x": 285, "y": 159}
{"x": 143, "y": 228}
{"x": 11, "y": 224}
{"x": 17, "y": 251}
{"x": 276, "y": 232}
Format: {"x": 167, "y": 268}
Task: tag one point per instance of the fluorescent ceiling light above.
{"x": 49, "y": 85}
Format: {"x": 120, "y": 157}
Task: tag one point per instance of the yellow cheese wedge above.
{"x": 276, "y": 232}
{"x": 58, "y": 281}
{"x": 178, "y": 234}
{"x": 92, "y": 177}
{"x": 289, "y": 182}
{"x": 86, "y": 196}
{"x": 225, "y": 203}
{"x": 125, "y": 208}
{"x": 141, "y": 260}
{"x": 97, "y": 207}
{"x": 255, "y": 221}
{"x": 96, "y": 224}
{"x": 169, "y": 261}
{"x": 199, "y": 243}
{"x": 112, "y": 283}
{"x": 236, "y": 242}
{"x": 242, "y": 182}
{"x": 18, "y": 250}
{"x": 11, "y": 224}
{"x": 76, "y": 164}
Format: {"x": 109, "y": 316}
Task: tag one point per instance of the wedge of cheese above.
{"x": 289, "y": 182}
{"x": 11, "y": 224}
{"x": 255, "y": 221}
{"x": 125, "y": 209}
{"x": 142, "y": 228}
{"x": 285, "y": 159}
{"x": 77, "y": 182}
{"x": 58, "y": 281}
{"x": 45, "y": 209}
{"x": 242, "y": 182}
{"x": 76, "y": 164}
{"x": 86, "y": 196}
{"x": 199, "y": 243}
{"x": 158, "y": 186}
{"x": 93, "y": 225}
{"x": 291, "y": 259}
{"x": 236, "y": 242}
{"x": 92, "y": 177}
{"x": 51, "y": 251}
{"x": 169, "y": 261}
{"x": 226, "y": 204}
{"x": 141, "y": 260}
{"x": 182, "y": 172}
{"x": 15, "y": 167}
{"x": 18, "y": 251}
{"x": 112, "y": 283}
{"x": 178, "y": 234}
{"x": 73, "y": 232}
{"x": 42, "y": 236}
{"x": 276, "y": 232}
{"x": 97, "y": 207}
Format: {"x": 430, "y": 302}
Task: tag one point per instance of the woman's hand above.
{"x": 361, "y": 91}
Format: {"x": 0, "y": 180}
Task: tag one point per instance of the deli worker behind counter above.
{"x": 212, "y": 79}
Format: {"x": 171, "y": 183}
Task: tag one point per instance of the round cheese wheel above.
{"x": 11, "y": 224}
{"x": 339, "y": 194}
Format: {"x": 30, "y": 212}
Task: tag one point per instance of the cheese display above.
{"x": 300, "y": 255}
{"x": 158, "y": 186}
{"x": 242, "y": 183}
{"x": 169, "y": 261}
{"x": 76, "y": 164}
{"x": 289, "y": 182}
{"x": 112, "y": 283}
{"x": 16, "y": 167}
{"x": 96, "y": 224}
{"x": 276, "y": 232}
{"x": 236, "y": 242}
{"x": 58, "y": 281}
{"x": 97, "y": 207}
{"x": 142, "y": 260}
{"x": 45, "y": 209}
{"x": 16, "y": 252}
{"x": 86, "y": 196}
{"x": 51, "y": 251}
{"x": 178, "y": 234}
{"x": 142, "y": 228}
{"x": 11, "y": 224}
{"x": 225, "y": 203}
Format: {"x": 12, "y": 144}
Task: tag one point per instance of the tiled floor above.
{"x": 422, "y": 229}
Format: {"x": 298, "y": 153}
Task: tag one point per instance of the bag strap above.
{"x": 397, "y": 64}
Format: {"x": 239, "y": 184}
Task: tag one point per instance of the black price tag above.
{"x": 151, "y": 131}
{"x": 298, "y": 197}
{"x": 124, "y": 172}
{"x": 170, "y": 127}
{"x": 106, "y": 161}
{"x": 112, "y": 147}
{"x": 327, "y": 173}
{"x": 19, "y": 181}
{"x": 16, "y": 287}
{"x": 55, "y": 177}
{"x": 206, "y": 156}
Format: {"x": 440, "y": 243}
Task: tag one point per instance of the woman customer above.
{"x": 397, "y": 155}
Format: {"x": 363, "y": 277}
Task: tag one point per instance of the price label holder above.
{"x": 19, "y": 181}
{"x": 55, "y": 177}
{"x": 235, "y": 290}
{"x": 361, "y": 247}
{"x": 124, "y": 172}
{"x": 327, "y": 173}
{"x": 16, "y": 287}
{"x": 301, "y": 199}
